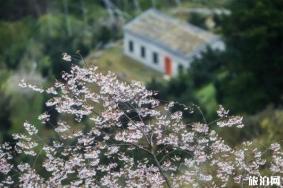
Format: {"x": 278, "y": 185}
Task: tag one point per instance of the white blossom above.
{"x": 66, "y": 57}
{"x": 30, "y": 128}
{"x": 122, "y": 136}
{"x": 236, "y": 121}
{"x": 221, "y": 112}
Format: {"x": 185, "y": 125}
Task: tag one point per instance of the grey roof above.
{"x": 175, "y": 36}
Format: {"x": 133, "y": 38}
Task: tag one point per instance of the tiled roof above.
{"x": 177, "y": 36}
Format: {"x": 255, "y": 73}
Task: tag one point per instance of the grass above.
{"x": 206, "y": 97}
{"x": 127, "y": 69}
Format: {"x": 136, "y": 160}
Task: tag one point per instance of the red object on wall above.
{"x": 168, "y": 65}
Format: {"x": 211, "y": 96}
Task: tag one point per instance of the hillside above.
{"x": 112, "y": 59}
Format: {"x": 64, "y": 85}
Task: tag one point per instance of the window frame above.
{"x": 131, "y": 46}
{"x": 143, "y": 52}
{"x": 155, "y": 58}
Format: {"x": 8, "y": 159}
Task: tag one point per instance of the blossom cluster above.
{"x": 128, "y": 138}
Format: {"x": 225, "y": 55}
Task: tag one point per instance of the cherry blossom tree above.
{"x": 127, "y": 138}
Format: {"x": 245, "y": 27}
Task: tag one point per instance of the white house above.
{"x": 164, "y": 43}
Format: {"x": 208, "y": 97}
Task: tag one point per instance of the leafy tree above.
{"x": 198, "y": 20}
{"x": 13, "y": 43}
{"x": 207, "y": 68}
{"x": 253, "y": 34}
{"x": 17, "y": 9}
{"x": 178, "y": 89}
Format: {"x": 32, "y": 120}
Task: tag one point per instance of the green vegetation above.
{"x": 254, "y": 58}
{"x": 207, "y": 99}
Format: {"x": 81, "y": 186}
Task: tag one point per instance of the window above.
{"x": 155, "y": 58}
{"x": 180, "y": 68}
{"x": 143, "y": 54}
{"x": 131, "y": 46}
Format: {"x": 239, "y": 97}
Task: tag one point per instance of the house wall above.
{"x": 148, "y": 59}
